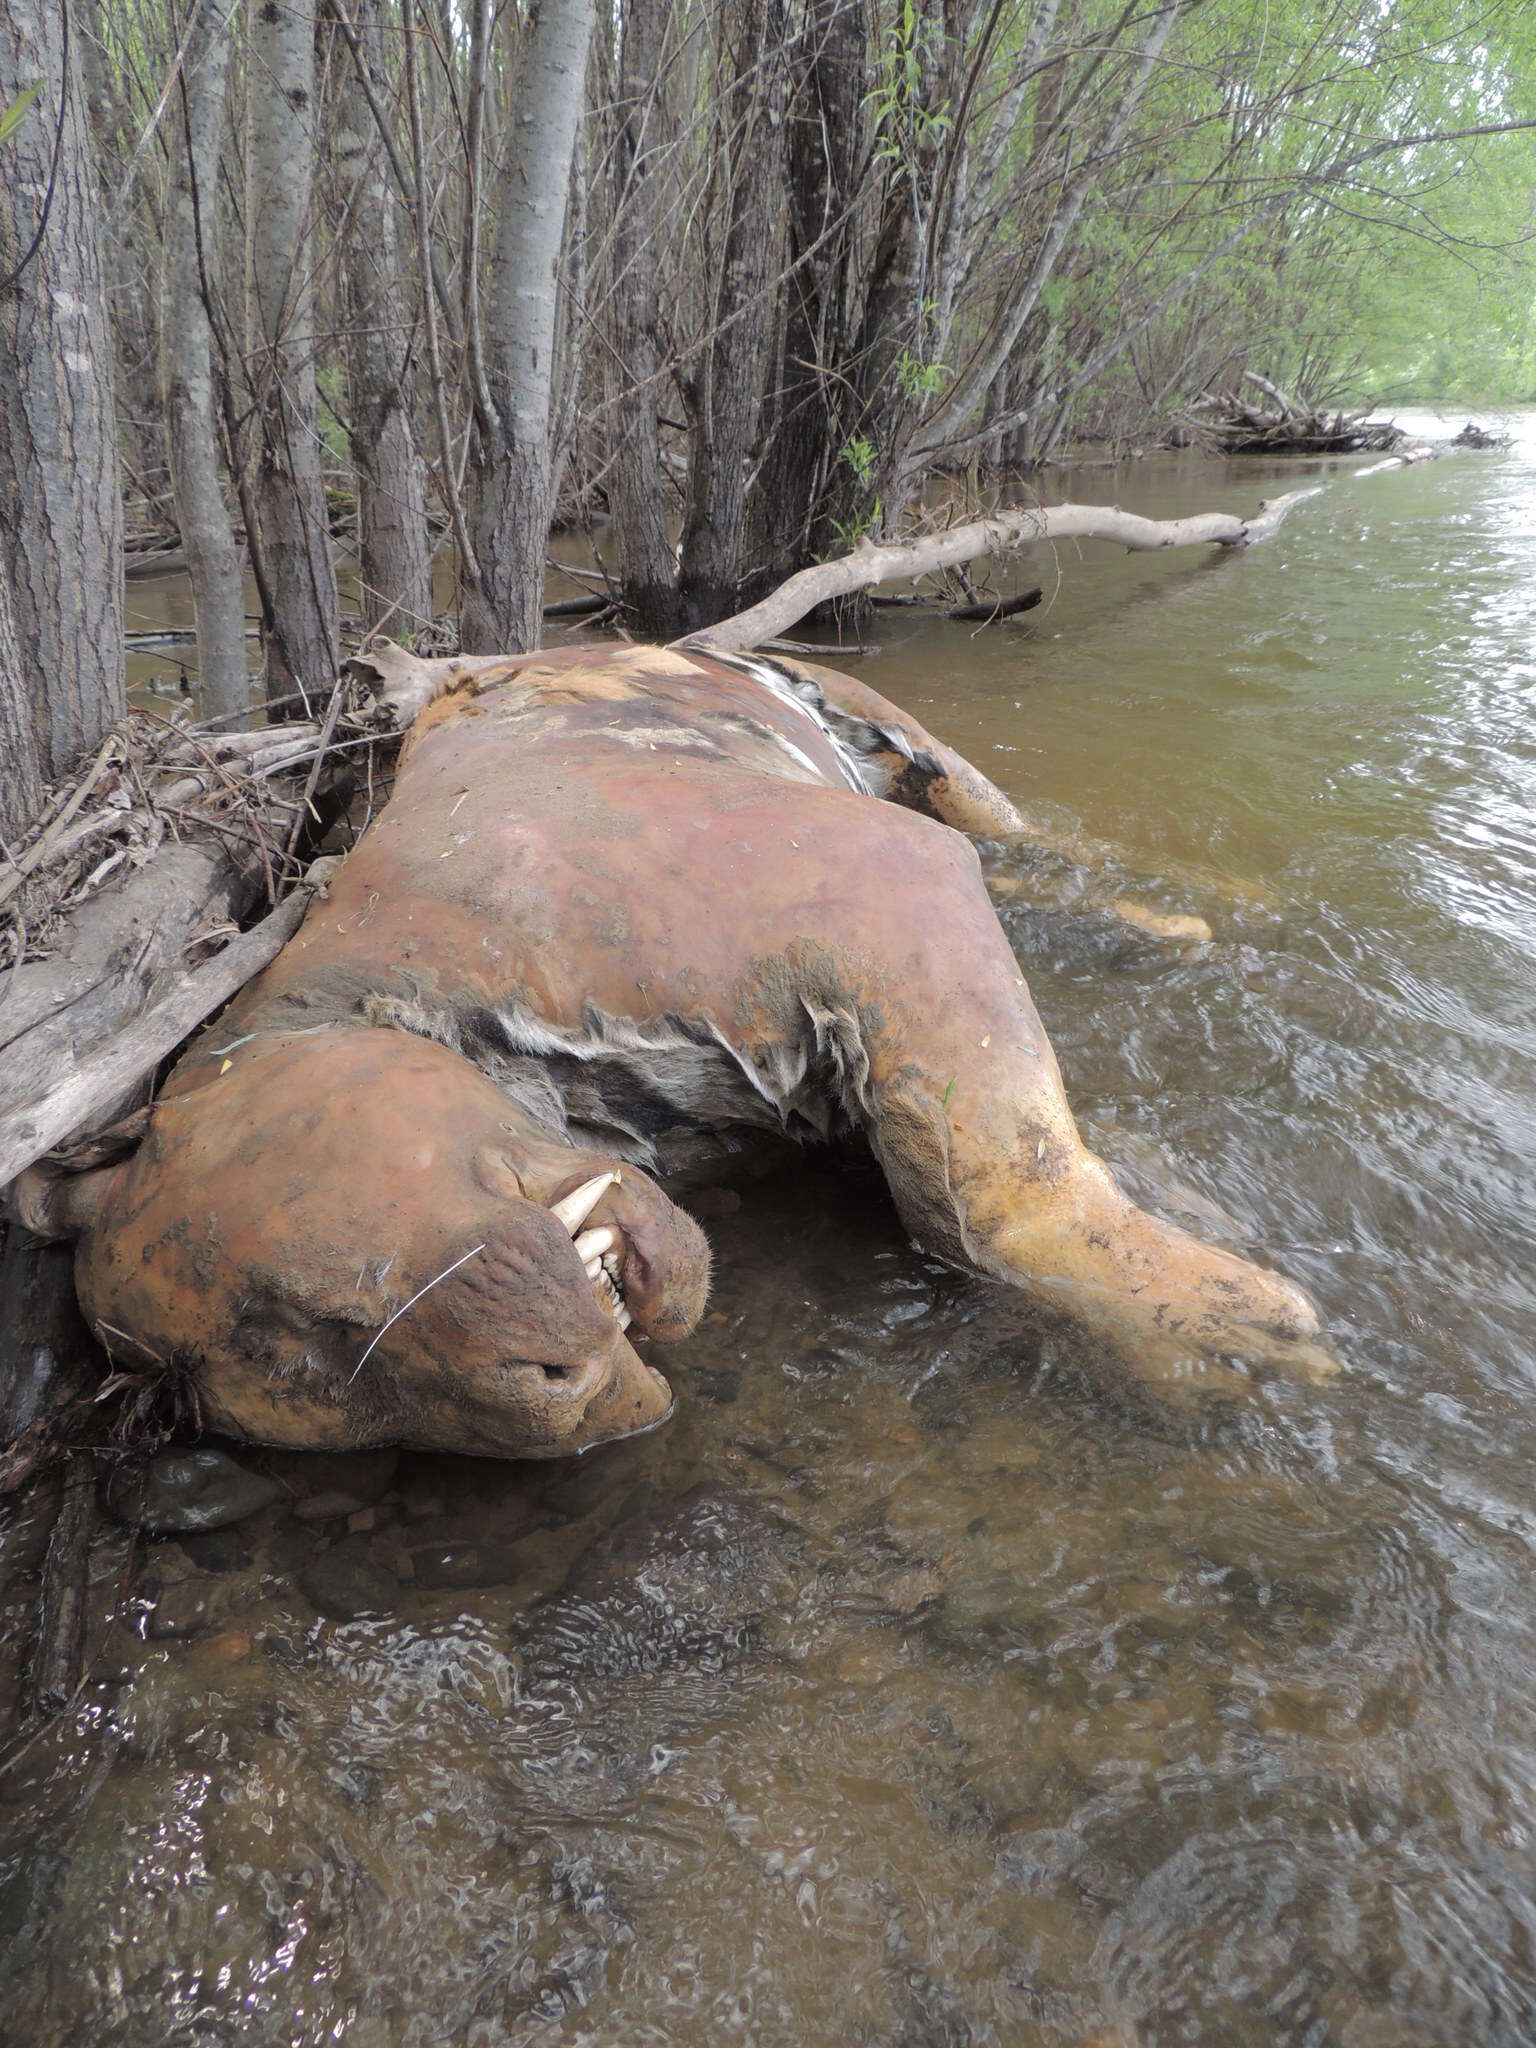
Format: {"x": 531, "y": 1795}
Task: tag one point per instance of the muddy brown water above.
{"x": 925, "y": 1681}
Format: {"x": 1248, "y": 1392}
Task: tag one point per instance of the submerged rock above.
{"x": 346, "y": 1582}
{"x": 446, "y": 1566}
{"x": 183, "y": 1493}
{"x": 330, "y": 1485}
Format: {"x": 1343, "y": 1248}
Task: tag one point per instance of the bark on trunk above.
{"x": 511, "y": 486}
{"x": 729, "y": 381}
{"x": 130, "y": 258}
{"x": 809, "y": 394}
{"x": 187, "y": 368}
{"x": 61, "y": 522}
{"x": 391, "y": 477}
{"x": 290, "y": 494}
{"x": 636, "y": 490}
{"x": 21, "y": 782}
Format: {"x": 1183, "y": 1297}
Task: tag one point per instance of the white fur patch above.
{"x": 808, "y": 701}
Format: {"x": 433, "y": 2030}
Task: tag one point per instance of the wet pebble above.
{"x": 187, "y": 1492}
{"x": 181, "y": 1610}
{"x": 347, "y": 1582}
{"x": 230, "y": 1646}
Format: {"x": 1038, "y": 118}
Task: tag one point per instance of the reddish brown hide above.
{"x": 618, "y": 894}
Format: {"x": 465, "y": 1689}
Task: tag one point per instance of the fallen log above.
{"x": 875, "y": 562}
{"x": 116, "y": 953}
{"x": 987, "y": 611}
{"x": 96, "y": 1085}
{"x": 1405, "y": 458}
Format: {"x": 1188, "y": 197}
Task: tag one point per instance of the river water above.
{"x": 927, "y": 1682}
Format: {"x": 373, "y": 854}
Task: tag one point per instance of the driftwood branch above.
{"x": 97, "y": 1084}
{"x": 59, "y": 1653}
{"x": 987, "y": 611}
{"x": 873, "y": 563}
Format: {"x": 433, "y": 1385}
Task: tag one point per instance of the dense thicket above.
{"x": 727, "y": 281}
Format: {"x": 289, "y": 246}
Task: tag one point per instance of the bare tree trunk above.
{"x": 187, "y": 370}
{"x": 635, "y": 483}
{"x": 61, "y": 519}
{"x": 512, "y": 475}
{"x": 130, "y": 259}
{"x": 391, "y": 477}
{"x": 824, "y": 156}
{"x": 290, "y": 493}
{"x": 21, "y": 781}
{"x": 730, "y": 378}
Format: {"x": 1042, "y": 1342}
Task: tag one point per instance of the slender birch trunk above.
{"x": 511, "y": 479}
{"x": 61, "y": 520}
{"x": 280, "y": 316}
{"x": 129, "y": 253}
{"x": 187, "y": 371}
{"x": 636, "y": 489}
{"x": 391, "y": 476}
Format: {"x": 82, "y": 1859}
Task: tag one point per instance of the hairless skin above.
{"x": 404, "y": 1190}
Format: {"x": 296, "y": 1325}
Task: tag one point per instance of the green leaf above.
{"x": 16, "y": 112}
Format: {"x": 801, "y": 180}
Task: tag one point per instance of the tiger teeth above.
{"x": 610, "y": 1295}
{"x": 574, "y": 1209}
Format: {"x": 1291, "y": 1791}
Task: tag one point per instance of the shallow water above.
{"x": 927, "y": 1681}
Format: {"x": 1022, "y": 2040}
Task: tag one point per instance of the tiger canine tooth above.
{"x": 574, "y": 1209}
{"x": 593, "y": 1243}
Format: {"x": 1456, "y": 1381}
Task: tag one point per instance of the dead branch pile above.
{"x": 1226, "y": 423}
{"x": 126, "y": 917}
{"x": 1474, "y": 436}
{"x": 155, "y": 780}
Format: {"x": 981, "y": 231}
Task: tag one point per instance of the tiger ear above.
{"x": 56, "y": 1202}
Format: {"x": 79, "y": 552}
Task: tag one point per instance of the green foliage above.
{"x": 16, "y": 112}
{"x": 859, "y": 454}
{"x": 856, "y": 527}
{"x": 921, "y": 380}
{"x": 905, "y": 126}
